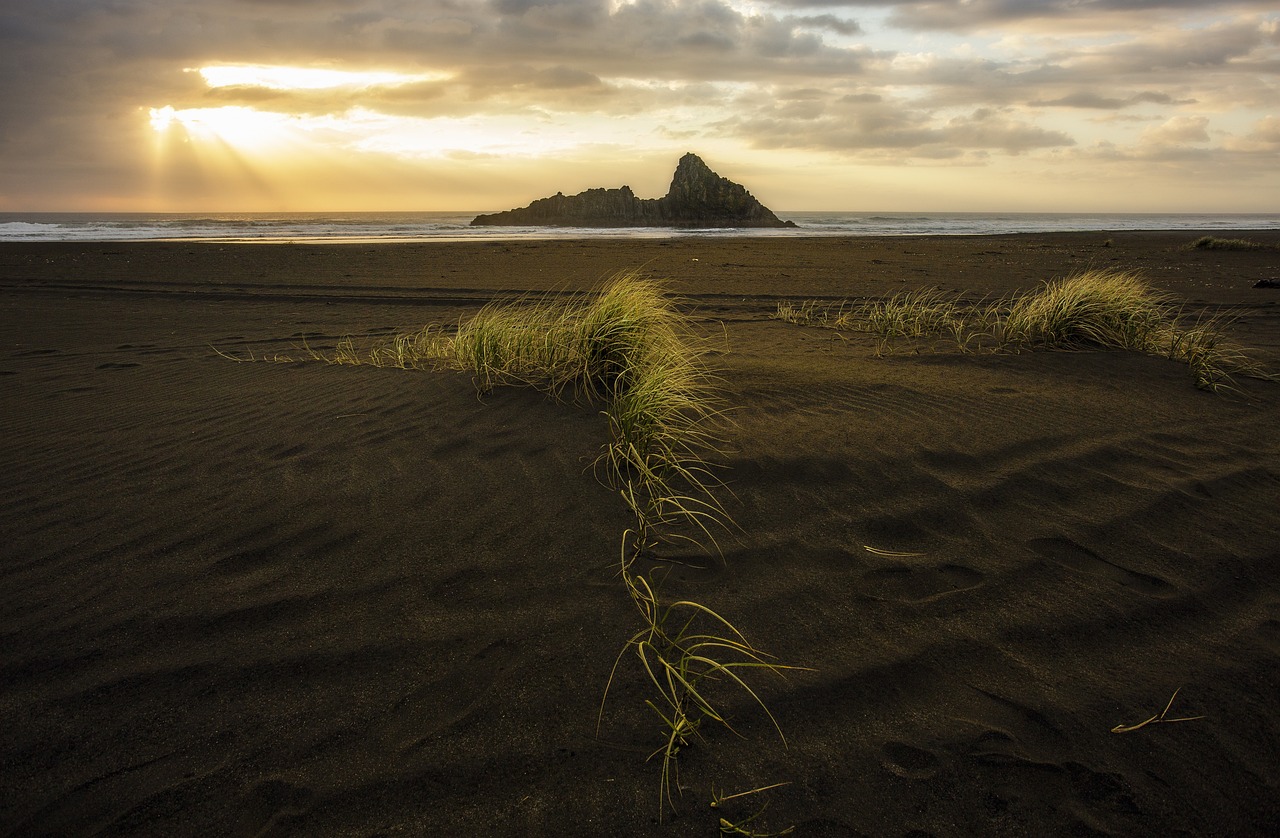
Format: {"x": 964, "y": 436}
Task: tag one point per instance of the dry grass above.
{"x": 1098, "y": 309}
{"x": 628, "y": 350}
{"x": 1215, "y": 243}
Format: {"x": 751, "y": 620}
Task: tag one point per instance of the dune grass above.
{"x": 918, "y": 313}
{"x": 910, "y": 314}
{"x": 424, "y": 349}
{"x": 628, "y": 350}
{"x": 1097, "y": 309}
{"x": 1118, "y": 310}
{"x": 1215, "y": 243}
{"x": 686, "y": 650}
{"x": 922, "y": 313}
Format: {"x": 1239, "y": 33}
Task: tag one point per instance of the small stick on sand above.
{"x": 1156, "y": 719}
{"x": 878, "y": 552}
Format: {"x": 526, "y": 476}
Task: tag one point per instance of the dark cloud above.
{"x": 968, "y": 15}
{"x": 1095, "y": 101}
{"x": 830, "y": 23}
{"x": 867, "y": 126}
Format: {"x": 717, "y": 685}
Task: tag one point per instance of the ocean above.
{"x": 342, "y": 227}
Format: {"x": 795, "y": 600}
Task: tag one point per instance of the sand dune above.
{"x": 291, "y": 598}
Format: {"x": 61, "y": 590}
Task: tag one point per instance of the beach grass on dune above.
{"x": 926, "y": 311}
{"x": 1216, "y": 243}
{"x": 629, "y": 350}
{"x": 1118, "y": 310}
{"x": 1103, "y": 309}
{"x": 626, "y": 348}
{"x": 1096, "y": 309}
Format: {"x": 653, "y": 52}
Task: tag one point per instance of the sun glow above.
{"x": 275, "y": 77}
{"x": 271, "y": 147}
{"x": 240, "y": 126}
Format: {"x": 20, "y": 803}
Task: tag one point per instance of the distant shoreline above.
{"x": 362, "y": 227}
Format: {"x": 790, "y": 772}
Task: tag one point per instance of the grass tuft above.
{"x": 1215, "y": 243}
{"x": 628, "y": 349}
{"x": 912, "y": 314}
{"x": 687, "y": 651}
{"x": 1097, "y": 309}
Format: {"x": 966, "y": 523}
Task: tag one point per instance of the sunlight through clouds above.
{"x": 818, "y": 99}
{"x": 243, "y": 127}
{"x": 305, "y": 78}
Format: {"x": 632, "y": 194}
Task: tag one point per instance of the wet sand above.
{"x": 299, "y": 599}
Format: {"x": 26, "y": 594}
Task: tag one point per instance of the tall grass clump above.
{"x": 1215, "y": 243}
{"x": 626, "y": 348}
{"x": 912, "y": 314}
{"x": 1103, "y": 309}
{"x": 1117, "y": 310}
{"x": 512, "y": 343}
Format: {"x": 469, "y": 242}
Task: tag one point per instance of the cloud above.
{"x": 868, "y": 127}
{"x": 838, "y": 25}
{"x": 973, "y": 15}
{"x": 1091, "y": 100}
{"x": 78, "y": 77}
{"x": 1178, "y": 131}
{"x": 1262, "y": 139}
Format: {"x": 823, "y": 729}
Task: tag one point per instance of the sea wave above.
{"x": 437, "y": 226}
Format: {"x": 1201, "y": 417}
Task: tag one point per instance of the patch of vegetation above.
{"x": 627, "y": 349}
{"x": 1104, "y": 309}
{"x": 1215, "y": 243}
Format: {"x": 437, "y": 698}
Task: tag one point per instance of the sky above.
{"x": 480, "y": 105}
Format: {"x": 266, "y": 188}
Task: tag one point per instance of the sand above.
{"x": 299, "y": 599}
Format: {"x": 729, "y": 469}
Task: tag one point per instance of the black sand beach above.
{"x": 300, "y": 599}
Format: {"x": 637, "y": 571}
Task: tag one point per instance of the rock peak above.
{"x": 698, "y": 197}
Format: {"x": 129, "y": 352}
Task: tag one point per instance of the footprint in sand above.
{"x": 1075, "y": 557}
{"x": 908, "y": 761}
{"x": 902, "y": 583}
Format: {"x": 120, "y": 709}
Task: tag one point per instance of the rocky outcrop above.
{"x": 698, "y": 197}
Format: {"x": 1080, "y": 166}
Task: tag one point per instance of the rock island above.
{"x": 698, "y": 197}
